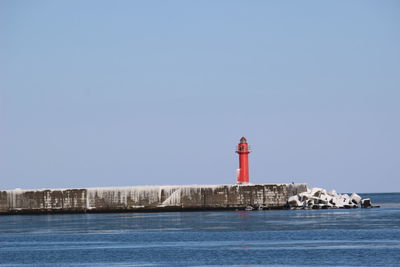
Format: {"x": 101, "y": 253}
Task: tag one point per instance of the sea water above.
{"x": 340, "y": 237}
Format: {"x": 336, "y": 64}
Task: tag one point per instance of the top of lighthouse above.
{"x": 243, "y": 147}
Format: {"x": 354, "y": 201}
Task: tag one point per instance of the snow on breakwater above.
{"x": 147, "y": 198}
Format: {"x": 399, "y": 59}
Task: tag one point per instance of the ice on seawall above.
{"x": 132, "y": 197}
{"x": 147, "y": 198}
{"x": 319, "y": 198}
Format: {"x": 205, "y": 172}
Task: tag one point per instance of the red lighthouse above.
{"x": 243, "y": 171}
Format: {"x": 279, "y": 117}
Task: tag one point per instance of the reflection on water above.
{"x": 357, "y": 237}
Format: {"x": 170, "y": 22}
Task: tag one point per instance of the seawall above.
{"x": 147, "y": 198}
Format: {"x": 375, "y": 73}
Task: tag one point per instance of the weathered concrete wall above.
{"x": 147, "y": 198}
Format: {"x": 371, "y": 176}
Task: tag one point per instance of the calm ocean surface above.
{"x": 357, "y": 237}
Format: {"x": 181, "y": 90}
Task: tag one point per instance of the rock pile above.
{"x": 318, "y": 198}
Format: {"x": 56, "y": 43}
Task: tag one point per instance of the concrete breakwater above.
{"x": 148, "y": 198}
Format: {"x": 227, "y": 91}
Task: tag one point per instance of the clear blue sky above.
{"x": 117, "y": 93}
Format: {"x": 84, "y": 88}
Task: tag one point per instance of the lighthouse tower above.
{"x": 243, "y": 171}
